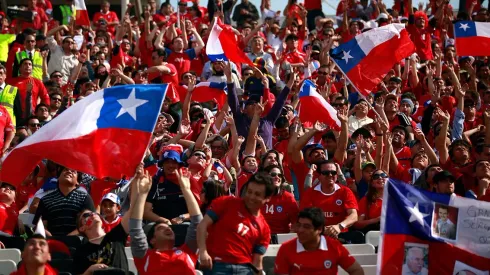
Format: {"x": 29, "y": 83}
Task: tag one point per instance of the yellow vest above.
{"x": 7, "y": 98}
{"x": 37, "y": 63}
{"x": 66, "y": 13}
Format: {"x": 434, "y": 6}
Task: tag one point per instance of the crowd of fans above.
{"x": 218, "y": 183}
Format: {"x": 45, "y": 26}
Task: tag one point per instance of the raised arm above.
{"x": 192, "y": 207}
{"x": 276, "y": 109}
{"x": 440, "y": 141}
{"x": 251, "y": 144}
{"x": 340, "y": 153}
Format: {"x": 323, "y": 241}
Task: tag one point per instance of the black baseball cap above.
{"x": 443, "y": 175}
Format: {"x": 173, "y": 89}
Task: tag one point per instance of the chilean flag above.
{"x": 104, "y": 135}
{"x": 429, "y": 233}
{"x": 81, "y": 15}
{"x": 313, "y": 107}
{"x": 208, "y": 91}
{"x": 472, "y": 38}
{"x": 366, "y": 58}
{"x": 223, "y": 45}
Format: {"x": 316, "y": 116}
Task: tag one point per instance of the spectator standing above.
{"x": 159, "y": 242}
{"x": 8, "y": 94}
{"x": 62, "y": 58}
{"x": 233, "y": 235}
{"x": 31, "y": 53}
{"x": 245, "y": 12}
{"x": 311, "y": 247}
{"x": 39, "y": 22}
{"x": 106, "y": 19}
{"x": 64, "y": 12}
{"x": 59, "y": 208}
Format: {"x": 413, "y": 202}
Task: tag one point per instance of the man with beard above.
{"x": 444, "y": 182}
{"x": 303, "y": 156}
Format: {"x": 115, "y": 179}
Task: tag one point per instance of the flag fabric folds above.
{"x": 208, "y": 91}
{"x": 223, "y": 45}
{"x": 313, "y": 107}
{"x": 429, "y": 233}
{"x": 472, "y": 38}
{"x": 367, "y": 58}
{"x": 81, "y": 14}
{"x": 105, "y": 135}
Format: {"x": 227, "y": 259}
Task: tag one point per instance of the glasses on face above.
{"x": 199, "y": 155}
{"x": 322, "y": 73}
{"x": 328, "y": 173}
{"x": 274, "y": 174}
{"x": 56, "y": 76}
{"x": 37, "y": 125}
{"x": 8, "y": 187}
{"x": 31, "y": 41}
{"x": 247, "y": 74}
{"x": 56, "y": 99}
{"x": 380, "y": 175}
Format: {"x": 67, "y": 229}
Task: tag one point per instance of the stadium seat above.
{"x": 62, "y": 265}
{"x": 26, "y": 218}
{"x": 352, "y": 237}
{"x": 282, "y": 238}
{"x": 12, "y": 254}
{"x": 372, "y": 237}
{"x": 272, "y": 250}
{"x": 129, "y": 253}
{"x": 369, "y": 269}
{"x": 132, "y": 266}
{"x": 355, "y": 249}
{"x": 7, "y": 267}
{"x": 366, "y": 259}
{"x": 13, "y": 242}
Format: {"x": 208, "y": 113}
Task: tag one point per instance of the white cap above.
{"x": 112, "y": 197}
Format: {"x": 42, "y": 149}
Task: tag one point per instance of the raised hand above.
{"x": 229, "y": 119}
{"x": 418, "y": 134}
{"x": 240, "y": 140}
{"x": 143, "y": 180}
{"x": 259, "y": 107}
{"x": 183, "y": 176}
{"x": 342, "y": 115}
{"x": 185, "y": 127}
{"x": 319, "y": 126}
{"x": 227, "y": 71}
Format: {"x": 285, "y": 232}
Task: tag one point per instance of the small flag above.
{"x": 313, "y": 107}
{"x": 80, "y": 13}
{"x": 208, "y": 91}
{"x": 472, "y": 38}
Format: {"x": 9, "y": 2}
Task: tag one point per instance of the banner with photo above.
{"x": 428, "y": 233}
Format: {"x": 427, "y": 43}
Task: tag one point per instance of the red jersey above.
{"x": 108, "y": 226}
{"x": 236, "y": 234}
{"x": 404, "y": 156}
{"x": 422, "y": 41}
{"x": 280, "y": 212}
{"x": 119, "y": 57}
{"x": 181, "y": 61}
{"x": 110, "y": 17}
{"x": 172, "y": 79}
{"x": 37, "y": 23}
{"x": 179, "y": 260}
{"x": 6, "y": 124}
{"x": 293, "y": 259}
{"x": 48, "y": 270}
{"x": 8, "y": 218}
{"x": 370, "y": 211}
{"x": 334, "y": 205}
{"x": 313, "y": 4}
{"x": 38, "y": 91}
{"x": 298, "y": 173}
{"x": 25, "y": 192}
{"x": 242, "y": 178}
{"x": 402, "y": 173}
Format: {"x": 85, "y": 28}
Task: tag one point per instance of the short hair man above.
{"x": 310, "y": 249}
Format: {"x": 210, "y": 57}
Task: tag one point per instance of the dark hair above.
{"x": 399, "y": 127}
{"x": 262, "y": 178}
{"x": 60, "y": 168}
{"x": 161, "y": 53}
{"x": 79, "y": 215}
{"x": 426, "y": 171}
{"x": 212, "y": 189}
{"x": 3, "y": 68}
{"x": 291, "y": 37}
{"x": 24, "y": 60}
{"x": 269, "y": 168}
{"x": 458, "y": 142}
{"x": 323, "y": 162}
{"x": 315, "y": 215}
{"x": 282, "y": 122}
{"x": 39, "y": 106}
{"x": 372, "y": 192}
{"x": 264, "y": 156}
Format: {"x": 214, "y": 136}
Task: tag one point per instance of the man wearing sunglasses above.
{"x": 62, "y": 58}
{"x": 338, "y": 202}
{"x": 31, "y": 53}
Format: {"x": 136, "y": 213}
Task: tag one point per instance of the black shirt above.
{"x": 61, "y": 211}
{"x": 166, "y": 197}
{"x": 109, "y": 252}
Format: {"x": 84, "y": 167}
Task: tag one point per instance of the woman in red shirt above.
{"x": 370, "y": 205}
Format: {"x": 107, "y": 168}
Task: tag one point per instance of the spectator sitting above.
{"x": 42, "y": 113}
{"x": 59, "y": 208}
{"x": 155, "y": 252}
{"x": 35, "y": 257}
{"x": 110, "y": 206}
{"x": 8, "y": 210}
{"x": 370, "y": 205}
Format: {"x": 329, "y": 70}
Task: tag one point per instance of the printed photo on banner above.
{"x": 444, "y": 222}
{"x": 416, "y": 259}
{"x": 464, "y": 269}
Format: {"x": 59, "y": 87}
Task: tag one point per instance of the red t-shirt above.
{"x": 293, "y": 259}
{"x": 38, "y": 90}
{"x": 281, "y": 211}
{"x": 404, "y": 157}
{"x": 172, "y": 79}
{"x": 402, "y": 174}
{"x": 180, "y": 260}
{"x": 242, "y": 178}
{"x": 181, "y": 61}
{"x": 313, "y": 4}
{"x": 24, "y": 193}
{"x": 119, "y": 57}
{"x": 421, "y": 38}
{"x": 371, "y": 212}
{"x": 298, "y": 173}
{"x": 334, "y": 205}
{"x": 37, "y": 23}
{"x": 110, "y": 17}
{"x": 6, "y": 124}
{"x": 236, "y": 234}
{"x": 8, "y": 218}
{"x": 108, "y": 226}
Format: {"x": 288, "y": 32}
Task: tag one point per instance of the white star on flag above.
{"x": 347, "y": 56}
{"x": 464, "y": 26}
{"x": 130, "y": 104}
{"x": 416, "y": 215}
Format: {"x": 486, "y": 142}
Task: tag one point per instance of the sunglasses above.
{"x": 57, "y": 76}
{"x": 199, "y": 154}
{"x": 31, "y": 41}
{"x": 329, "y": 173}
{"x": 56, "y": 99}
{"x": 322, "y": 73}
{"x": 35, "y": 124}
{"x": 380, "y": 175}
{"x": 274, "y": 174}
